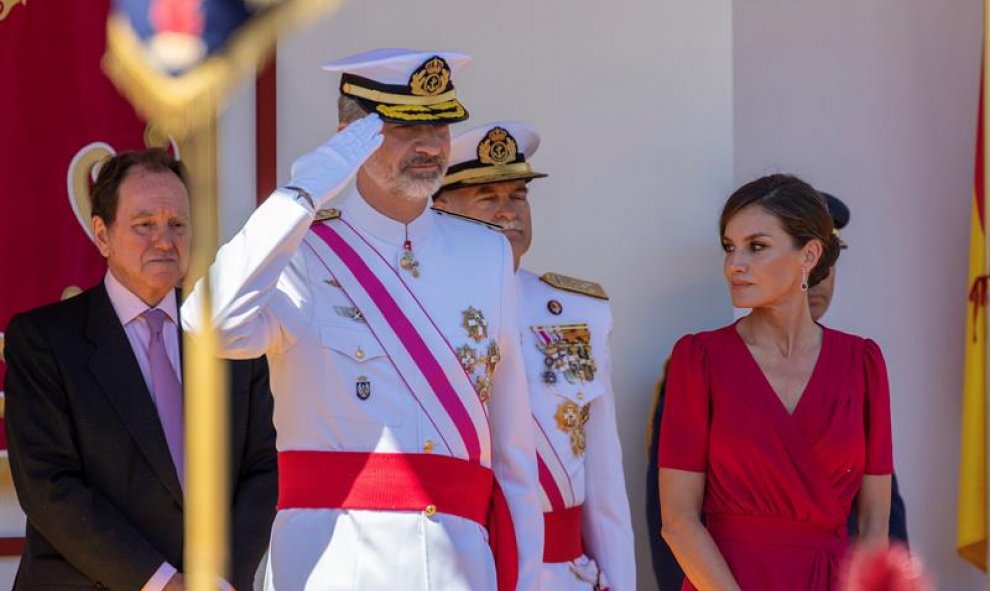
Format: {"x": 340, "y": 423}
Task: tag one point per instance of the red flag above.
{"x": 56, "y": 102}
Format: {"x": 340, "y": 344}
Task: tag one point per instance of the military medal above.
{"x": 408, "y": 261}
{"x": 566, "y": 348}
{"x": 483, "y": 386}
{"x": 467, "y": 356}
{"x": 472, "y": 360}
{"x": 571, "y": 419}
{"x": 475, "y": 324}
{"x": 362, "y": 388}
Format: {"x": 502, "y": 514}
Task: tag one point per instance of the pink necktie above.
{"x": 167, "y": 390}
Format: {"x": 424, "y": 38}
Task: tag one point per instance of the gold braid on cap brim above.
{"x": 451, "y": 110}
{"x": 492, "y": 174}
{"x": 391, "y": 98}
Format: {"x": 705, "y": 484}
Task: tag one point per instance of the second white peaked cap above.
{"x": 492, "y": 153}
{"x": 404, "y": 85}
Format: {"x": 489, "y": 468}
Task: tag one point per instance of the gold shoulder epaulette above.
{"x": 323, "y": 215}
{"x": 588, "y": 288}
{"x": 468, "y": 218}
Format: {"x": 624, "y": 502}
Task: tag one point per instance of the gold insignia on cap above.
{"x": 431, "y": 78}
{"x": 572, "y": 284}
{"x": 498, "y": 147}
{"x": 323, "y": 215}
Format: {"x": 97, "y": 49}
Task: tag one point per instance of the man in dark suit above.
{"x": 668, "y": 572}
{"x": 94, "y": 407}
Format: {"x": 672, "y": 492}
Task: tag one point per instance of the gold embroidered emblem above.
{"x": 572, "y": 284}
{"x": 571, "y": 419}
{"x": 566, "y": 348}
{"x": 431, "y": 78}
{"x": 498, "y": 147}
{"x": 3, "y": 344}
{"x": 475, "y": 324}
{"x": 8, "y": 5}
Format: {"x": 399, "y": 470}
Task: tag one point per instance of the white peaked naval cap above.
{"x": 492, "y": 153}
{"x": 404, "y": 86}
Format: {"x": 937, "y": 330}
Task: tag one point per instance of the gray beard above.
{"x": 402, "y": 185}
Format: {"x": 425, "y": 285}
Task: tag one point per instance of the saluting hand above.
{"x": 326, "y": 170}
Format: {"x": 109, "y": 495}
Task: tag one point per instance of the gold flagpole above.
{"x": 207, "y": 401}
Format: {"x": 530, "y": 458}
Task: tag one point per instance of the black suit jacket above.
{"x": 90, "y": 463}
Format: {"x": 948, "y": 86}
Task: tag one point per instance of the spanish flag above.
{"x": 971, "y": 538}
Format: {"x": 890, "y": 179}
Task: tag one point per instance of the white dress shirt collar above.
{"x": 365, "y": 218}
{"x": 128, "y": 306}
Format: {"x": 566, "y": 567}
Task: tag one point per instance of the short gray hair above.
{"x": 349, "y": 110}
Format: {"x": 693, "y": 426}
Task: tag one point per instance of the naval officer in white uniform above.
{"x": 566, "y": 324}
{"x": 406, "y": 452}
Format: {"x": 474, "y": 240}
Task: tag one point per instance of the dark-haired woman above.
{"x": 773, "y": 425}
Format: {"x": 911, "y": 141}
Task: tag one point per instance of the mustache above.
{"x": 511, "y": 225}
{"x": 420, "y": 160}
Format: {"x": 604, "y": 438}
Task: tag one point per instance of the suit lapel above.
{"x": 116, "y": 370}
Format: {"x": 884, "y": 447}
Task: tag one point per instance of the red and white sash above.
{"x": 556, "y": 491}
{"x": 412, "y": 341}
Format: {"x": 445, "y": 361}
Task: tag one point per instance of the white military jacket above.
{"x": 335, "y": 390}
{"x": 573, "y": 403}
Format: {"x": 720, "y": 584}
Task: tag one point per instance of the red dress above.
{"x": 779, "y": 486}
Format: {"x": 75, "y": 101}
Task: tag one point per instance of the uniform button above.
{"x": 428, "y": 446}
{"x": 580, "y": 395}
{"x": 359, "y": 354}
{"x": 430, "y": 510}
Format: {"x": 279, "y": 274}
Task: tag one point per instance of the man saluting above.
{"x": 406, "y": 455}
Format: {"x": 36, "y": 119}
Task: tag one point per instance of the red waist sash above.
{"x": 562, "y": 535}
{"x": 403, "y": 482}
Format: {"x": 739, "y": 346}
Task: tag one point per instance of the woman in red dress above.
{"x": 773, "y": 425}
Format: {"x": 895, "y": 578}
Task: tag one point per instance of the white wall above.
{"x": 634, "y": 102}
{"x": 876, "y": 102}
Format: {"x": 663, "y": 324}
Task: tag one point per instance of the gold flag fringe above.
{"x": 182, "y": 104}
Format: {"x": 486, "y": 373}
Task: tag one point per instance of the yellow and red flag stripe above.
{"x": 971, "y": 540}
